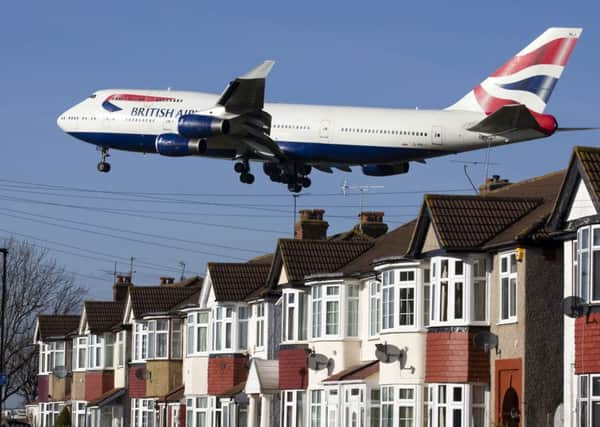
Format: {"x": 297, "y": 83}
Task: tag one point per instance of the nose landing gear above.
{"x": 103, "y": 165}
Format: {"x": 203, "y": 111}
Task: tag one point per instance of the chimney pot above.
{"x": 493, "y": 183}
{"x": 311, "y": 225}
{"x": 371, "y": 224}
{"x": 166, "y": 280}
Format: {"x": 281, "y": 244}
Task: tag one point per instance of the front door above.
{"x": 436, "y": 135}
{"x": 354, "y": 408}
{"x": 509, "y": 392}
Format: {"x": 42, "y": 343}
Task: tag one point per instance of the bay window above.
{"x": 140, "y": 341}
{"x": 374, "y": 307}
{"x": 399, "y": 299}
{"x": 351, "y": 310}
{"x": 143, "y": 413}
{"x": 588, "y": 400}
{"x": 387, "y": 406}
{"x": 197, "y": 412}
{"x": 332, "y": 310}
{"x": 388, "y": 296}
{"x": 374, "y": 407}
{"x": 78, "y": 418}
{"x": 80, "y": 353}
{"x": 587, "y": 265}
{"x": 49, "y": 412}
{"x": 176, "y": 338}
{"x": 406, "y": 298}
{"x": 508, "y": 287}
{"x": 223, "y": 328}
{"x": 458, "y": 291}
{"x": 121, "y": 349}
{"x": 456, "y": 405}
{"x": 95, "y": 351}
{"x": 58, "y": 349}
{"x": 317, "y": 304}
{"x": 294, "y": 316}
{"x": 197, "y": 341}
{"x": 294, "y": 407}
{"x": 243, "y": 314}
{"x": 161, "y": 329}
{"x": 316, "y": 408}
{"x": 109, "y": 349}
{"x": 259, "y": 322}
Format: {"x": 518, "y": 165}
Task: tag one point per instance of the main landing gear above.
{"x": 243, "y": 168}
{"x": 294, "y": 175}
{"x": 103, "y": 165}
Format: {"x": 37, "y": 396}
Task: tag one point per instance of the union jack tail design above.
{"x": 528, "y": 78}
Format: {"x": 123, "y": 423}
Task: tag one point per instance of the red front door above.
{"x": 509, "y": 392}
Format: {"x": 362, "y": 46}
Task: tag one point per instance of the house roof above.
{"x": 590, "y": 162}
{"x": 393, "y": 244}
{"x": 108, "y": 397}
{"x": 236, "y": 389}
{"x": 174, "y": 395}
{"x": 501, "y": 216}
{"x": 147, "y": 300}
{"x": 357, "y": 372}
{"x": 102, "y": 316}
{"x": 263, "y": 377}
{"x": 56, "y": 325}
{"x": 237, "y": 281}
{"x": 302, "y": 258}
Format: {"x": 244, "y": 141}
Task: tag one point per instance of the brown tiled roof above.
{"x": 56, "y": 325}
{"x": 102, "y": 316}
{"x": 357, "y": 372}
{"x": 303, "y": 258}
{"x": 590, "y": 162}
{"x": 158, "y": 299}
{"x": 393, "y": 244}
{"x": 108, "y": 396}
{"x": 174, "y": 395}
{"x": 464, "y": 222}
{"x": 262, "y": 259}
{"x": 236, "y": 281}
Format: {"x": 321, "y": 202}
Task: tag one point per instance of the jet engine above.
{"x": 385, "y": 170}
{"x": 198, "y": 126}
{"x": 173, "y": 145}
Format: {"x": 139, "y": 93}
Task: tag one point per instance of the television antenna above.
{"x": 467, "y": 163}
{"x": 358, "y": 189}
{"x": 182, "y": 265}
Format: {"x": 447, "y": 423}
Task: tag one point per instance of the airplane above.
{"x": 291, "y": 139}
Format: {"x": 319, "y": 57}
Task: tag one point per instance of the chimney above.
{"x": 165, "y": 280}
{"x": 121, "y": 287}
{"x": 493, "y": 183}
{"x": 311, "y": 225}
{"x": 371, "y": 224}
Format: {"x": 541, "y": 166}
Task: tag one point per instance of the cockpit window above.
{"x": 92, "y": 96}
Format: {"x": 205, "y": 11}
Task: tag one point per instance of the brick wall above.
{"x": 587, "y": 344}
{"x": 137, "y": 386}
{"x": 452, "y": 357}
{"x": 97, "y": 383}
{"x": 42, "y": 388}
{"x": 293, "y": 367}
{"x": 226, "y": 371}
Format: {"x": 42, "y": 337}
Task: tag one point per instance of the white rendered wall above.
{"x": 569, "y": 383}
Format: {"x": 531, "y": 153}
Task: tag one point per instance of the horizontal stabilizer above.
{"x": 507, "y": 119}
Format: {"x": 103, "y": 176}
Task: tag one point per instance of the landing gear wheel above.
{"x": 247, "y": 178}
{"x": 241, "y": 167}
{"x": 306, "y": 182}
{"x": 104, "y": 167}
{"x": 294, "y": 188}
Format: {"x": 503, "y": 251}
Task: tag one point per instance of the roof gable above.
{"x": 56, "y": 326}
{"x": 582, "y": 205}
{"x": 146, "y": 300}
{"x": 237, "y": 281}
{"x": 102, "y": 316}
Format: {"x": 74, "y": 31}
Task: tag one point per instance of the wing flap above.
{"x": 510, "y": 118}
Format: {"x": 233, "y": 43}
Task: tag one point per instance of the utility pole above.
{"x": 294, "y": 213}
{"x": 3, "y": 370}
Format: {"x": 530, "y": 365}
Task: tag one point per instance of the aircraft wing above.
{"x": 246, "y": 93}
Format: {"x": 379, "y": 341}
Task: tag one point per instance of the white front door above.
{"x": 354, "y": 406}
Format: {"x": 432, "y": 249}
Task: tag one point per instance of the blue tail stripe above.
{"x": 541, "y": 85}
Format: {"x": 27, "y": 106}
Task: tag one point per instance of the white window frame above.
{"x": 80, "y": 344}
{"x": 586, "y": 398}
{"x": 441, "y": 396}
{"x": 243, "y": 322}
{"x": 196, "y": 406}
{"x": 332, "y": 298}
{"x": 140, "y": 342}
{"x": 141, "y": 408}
{"x": 296, "y": 303}
{"x": 388, "y": 300}
{"x": 352, "y": 310}
{"x": 79, "y": 410}
{"x": 506, "y": 274}
{"x": 316, "y": 293}
{"x": 223, "y": 328}
{"x": 198, "y": 333}
{"x": 121, "y": 339}
{"x": 155, "y": 335}
{"x": 95, "y": 351}
{"x": 294, "y": 406}
{"x": 374, "y": 308}
{"x": 176, "y": 339}
{"x": 259, "y": 311}
{"x": 317, "y": 408}
{"x": 406, "y": 284}
{"x": 49, "y": 411}
{"x": 108, "y": 346}
{"x": 586, "y": 287}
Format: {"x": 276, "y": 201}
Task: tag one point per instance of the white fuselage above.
{"x": 311, "y": 134}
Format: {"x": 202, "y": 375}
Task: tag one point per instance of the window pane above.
{"x": 513, "y": 263}
{"x": 352, "y": 317}
{"x": 585, "y": 242}
{"x": 479, "y": 300}
{"x": 513, "y": 297}
{"x": 405, "y": 415}
{"x": 457, "y": 418}
{"x": 585, "y": 275}
{"x": 596, "y": 280}
{"x": 583, "y": 386}
{"x": 331, "y": 327}
{"x": 458, "y": 300}
{"x": 595, "y": 386}
{"x": 504, "y": 308}
{"x": 458, "y": 268}
{"x": 444, "y": 301}
{"x": 595, "y": 414}
{"x": 406, "y": 305}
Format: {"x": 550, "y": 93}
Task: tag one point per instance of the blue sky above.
{"x": 388, "y": 54}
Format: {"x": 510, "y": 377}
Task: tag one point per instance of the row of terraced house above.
{"x": 457, "y": 318}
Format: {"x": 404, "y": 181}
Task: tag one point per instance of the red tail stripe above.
{"x": 490, "y": 103}
{"x": 556, "y": 52}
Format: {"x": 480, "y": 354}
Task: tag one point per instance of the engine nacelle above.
{"x": 198, "y": 126}
{"x": 385, "y": 170}
{"x": 173, "y": 145}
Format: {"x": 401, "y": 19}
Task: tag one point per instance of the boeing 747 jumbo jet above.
{"x": 290, "y": 139}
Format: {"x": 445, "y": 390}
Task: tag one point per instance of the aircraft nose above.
{"x": 60, "y": 121}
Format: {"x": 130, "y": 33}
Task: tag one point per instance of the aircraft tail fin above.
{"x": 528, "y": 78}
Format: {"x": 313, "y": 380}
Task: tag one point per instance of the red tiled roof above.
{"x": 174, "y": 395}
{"x": 158, "y": 299}
{"x": 56, "y": 325}
{"x": 357, "y": 372}
{"x": 236, "y": 281}
{"x": 108, "y": 396}
{"x": 102, "y": 316}
{"x": 303, "y": 258}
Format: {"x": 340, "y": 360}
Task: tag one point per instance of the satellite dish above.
{"x": 573, "y": 306}
{"x": 59, "y": 371}
{"x": 317, "y": 361}
{"x": 142, "y": 373}
{"x": 388, "y": 353}
{"x": 485, "y": 341}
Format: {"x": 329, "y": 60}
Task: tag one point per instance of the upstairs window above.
{"x": 388, "y": 297}
{"x": 332, "y": 310}
{"x": 95, "y": 351}
{"x": 317, "y": 304}
{"x": 80, "y": 353}
{"x": 295, "y": 316}
{"x": 374, "y": 307}
{"x": 406, "y": 298}
{"x": 243, "y": 314}
{"x": 223, "y": 329}
{"x": 176, "y": 338}
{"x": 140, "y": 341}
{"x": 259, "y": 322}
{"x": 197, "y": 341}
{"x": 587, "y": 265}
{"x": 508, "y": 287}
{"x": 121, "y": 336}
{"x": 352, "y": 311}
